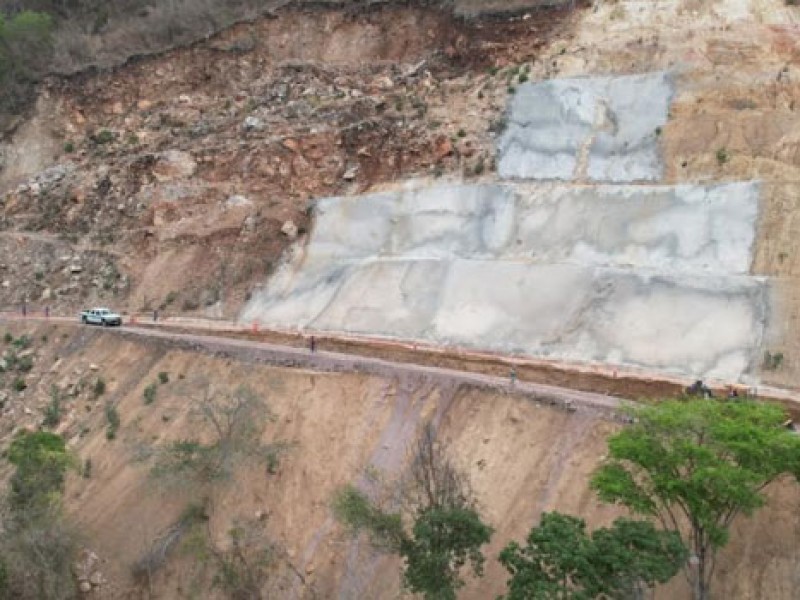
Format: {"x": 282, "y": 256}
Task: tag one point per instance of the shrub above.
{"x": 52, "y": 414}
{"x": 150, "y": 393}
{"x": 69, "y": 147}
{"x": 99, "y": 387}
{"x": 87, "y": 468}
{"x": 772, "y": 362}
{"x": 112, "y": 417}
{"x": 104, "y": 137}
{"x": 24, "y": 364}
{"x": 163, "y": 377}
{"x": 22, "y": 342}
{"x": 41, "y": 460}
{"x": 19, "y": 384}
{"x": 8, "y": 338}
{"x": 722, "y": 156}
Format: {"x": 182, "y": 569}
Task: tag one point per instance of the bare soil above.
{"x": 182, "y": 169}
{"x": 523, "y": 456}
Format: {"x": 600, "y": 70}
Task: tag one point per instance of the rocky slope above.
{"x": 177, "y": 181}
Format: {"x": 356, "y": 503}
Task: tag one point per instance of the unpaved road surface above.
{"x": 322, "y": 360}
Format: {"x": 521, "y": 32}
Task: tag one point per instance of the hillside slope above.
{"x": 522, "y": 457}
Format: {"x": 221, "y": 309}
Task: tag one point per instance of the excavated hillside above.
{"x": 177, "y": 181}
{"x": 608, "y": 184}
{"x": 523, "y": 455}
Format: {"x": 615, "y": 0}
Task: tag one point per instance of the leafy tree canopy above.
{"x": 696, "y": 465}
{"x": 561, "y": 560}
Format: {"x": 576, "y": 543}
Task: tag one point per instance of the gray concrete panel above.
{"x": 604, "y": 129}
{"x": 647, "y": 276}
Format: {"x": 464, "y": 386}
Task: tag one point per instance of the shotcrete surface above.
{"x": 603, "y": 129}
{"x": 649, "y": 276}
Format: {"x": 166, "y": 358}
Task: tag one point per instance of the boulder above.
{"x": 252, "y": 123}
{"x": 289, "y": 229}
{"x": 235, "y": 201}
{"x": 174, "y": 164}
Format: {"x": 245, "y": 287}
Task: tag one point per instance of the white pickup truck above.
{"x": 100, "y": 316}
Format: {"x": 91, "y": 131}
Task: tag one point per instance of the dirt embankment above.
{"x": 522, "y": 457}
{"x": 178, "y": 180}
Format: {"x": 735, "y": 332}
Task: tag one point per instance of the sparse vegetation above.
{"x": 24, "y": 364}
{"x": 155, "y": 557}
{"x": 235, "y": 422}
{"x": 436, "y": 530}
{"x": 149, "y": 393}
{"x": 99, "y": 387}
{"x": 22, "y": 342}
{"x": 52, "y": 414}
{"x": 772, "y": 361}
{"x": 104, "y": 137}
{"x": 112, "y": 420}
{"x": 244, "y": 566}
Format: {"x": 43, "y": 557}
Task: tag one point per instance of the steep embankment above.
{"x": 177, "y": 181}
{"x": 522, "y": 457}
{"x": 658, "y": 250}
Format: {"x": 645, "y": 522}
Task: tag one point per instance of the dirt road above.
{"x": 325, "y": 360}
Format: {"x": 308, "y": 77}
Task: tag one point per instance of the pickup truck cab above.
{"x": 100, "y": 316}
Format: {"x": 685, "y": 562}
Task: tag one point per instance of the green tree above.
{"x": 41, "y": 460}
{"x": 443, "y": 541}
{"x": 696, "y": 465}
{"x": 233, "y": 424}
{"x": 560, "y": 560}
{"x": 25, "y": 49}
{"x": 435, "y": 528}
{"x": 36, "y": 546}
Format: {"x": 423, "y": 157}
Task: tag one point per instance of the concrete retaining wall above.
{"x": 643, "y": 276}
{"x": 604, "y": 129}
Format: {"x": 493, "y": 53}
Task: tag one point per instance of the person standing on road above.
{"x": 47, "y": 312}
{"x": 513, "y": 376}
{"x": 313, "y": 344}
{"x": 155, "y": 316}
{"x": 24, "y": 308}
